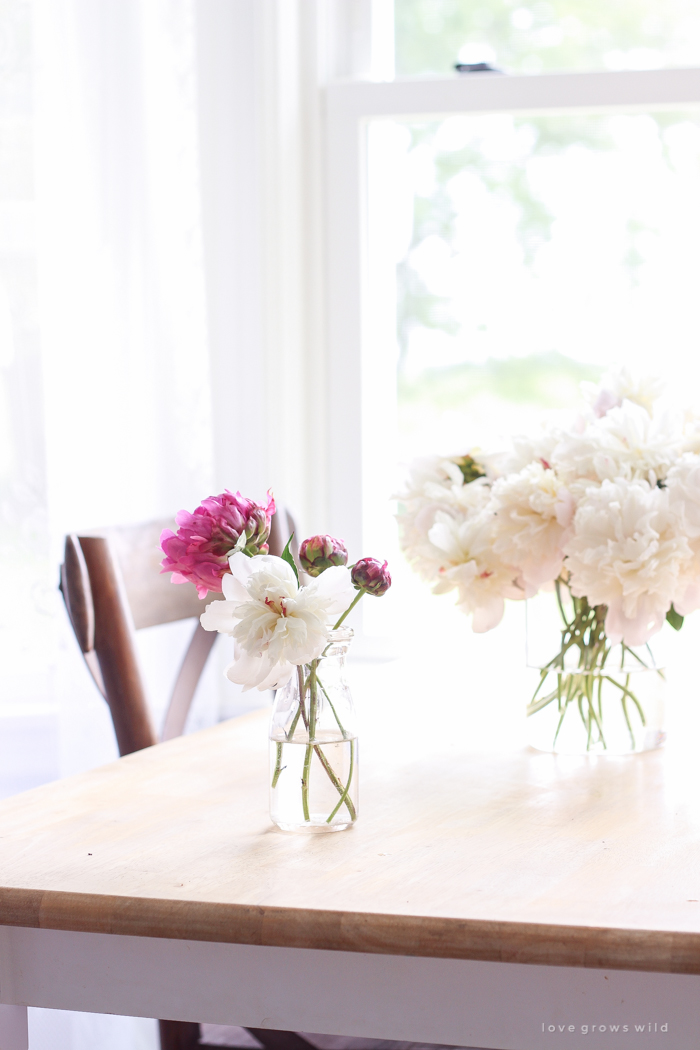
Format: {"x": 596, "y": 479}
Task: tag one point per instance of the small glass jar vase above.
{"x": 590, "y": 696}
{"x": 313, "y": 745}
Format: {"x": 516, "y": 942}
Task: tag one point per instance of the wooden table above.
{"x": 480, "y": 900}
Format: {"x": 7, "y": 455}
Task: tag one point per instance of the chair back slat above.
{"x": 152, "y": 597}
{"x": 200, "y": 646}
{"x": 114, "y": 646}
{"x": 75, "y": 587}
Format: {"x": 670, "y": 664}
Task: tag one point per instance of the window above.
{"x": 534, "y": 36}
{"x": 494, "y": 240}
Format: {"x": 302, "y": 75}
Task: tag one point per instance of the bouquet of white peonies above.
{"x": 605, "y": 512}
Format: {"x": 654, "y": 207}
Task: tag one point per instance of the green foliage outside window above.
{"x": 544, "y": 36}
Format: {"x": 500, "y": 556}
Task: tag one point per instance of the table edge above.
{"x": 658, "y": 951}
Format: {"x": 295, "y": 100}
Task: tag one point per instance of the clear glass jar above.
{"x": 590, "y": 696}
{"x": 313, "y": 745}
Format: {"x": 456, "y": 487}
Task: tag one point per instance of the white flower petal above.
{"x": 241, "y": 566}
{"x": 220, "y": 616}
{"x": 533, "y": 516}
{"x": 628, "y": 553}
{"x": 335, "y": 587}
{"x": 276, "y": 625}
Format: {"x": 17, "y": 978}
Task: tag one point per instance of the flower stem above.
{"x": 334, "y": 780}
{"x": 335, "y": 713}
{"x": 278, "y": 764}
{"x": 300, "y": 709}
{"x": 627, "y": 720}
{"x": 350, "y": 607}
{"x": 344, "y": 796}
{"x": 311, "y": 728}
{"x": 584, "y": 684}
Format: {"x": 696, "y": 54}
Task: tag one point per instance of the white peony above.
{"x": 534, "y": 512}
{"x": 622, "y": 385}
{"x": 612, "y": 504}
{"x": 626, "y": 443}
{"x": 523, "y": 450}
{"x": 683, "y": 486}
{"x": 435, "y": 485}
{"x": 276, "y": 625}
{"x": 471, "y": 566}
{"x": 628, "y": 553}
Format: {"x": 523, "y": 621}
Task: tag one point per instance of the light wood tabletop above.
{"x": 520, "y": 856}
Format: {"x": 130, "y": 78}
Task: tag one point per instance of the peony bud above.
{"x": 372, "y": 576}
{"x": 321, "y": 552}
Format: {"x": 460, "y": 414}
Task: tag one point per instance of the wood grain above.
{"x": 515, "y": 857}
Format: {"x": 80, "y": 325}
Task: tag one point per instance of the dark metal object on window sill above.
{"x": 477, "y": 67}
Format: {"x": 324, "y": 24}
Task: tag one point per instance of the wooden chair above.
{"x": 112, "y": 586}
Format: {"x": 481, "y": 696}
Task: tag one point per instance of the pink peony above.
{"x": 198, "y": 553}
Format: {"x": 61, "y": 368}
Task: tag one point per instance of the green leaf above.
{"x": 471, "y": 470}
{"x": 675, "y": 619}
{"x": 289, "y": 557}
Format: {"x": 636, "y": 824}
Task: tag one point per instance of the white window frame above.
{"x": 349, "y": 107}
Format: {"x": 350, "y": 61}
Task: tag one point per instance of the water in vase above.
{"x": 314, "y": 787}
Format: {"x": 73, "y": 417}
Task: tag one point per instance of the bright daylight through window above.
{"x": 526, "y": 250}
{"x": 545, "y": 35}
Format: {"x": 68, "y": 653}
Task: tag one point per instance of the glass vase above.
{"x": 589, "y": 696}
{"x": 313, "y": 745}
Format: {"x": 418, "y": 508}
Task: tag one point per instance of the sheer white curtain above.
{"x": 126, "y": 370}
{"x": 122, "y": 316}
{"x": 166, "y": 338}
{"x": 122, "y": 321}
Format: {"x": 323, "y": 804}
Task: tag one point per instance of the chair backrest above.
{"x": 112, "y": 586}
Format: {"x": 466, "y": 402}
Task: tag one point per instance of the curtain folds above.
{"x": 121, "y": 283}
{"x": 124, "y": 354}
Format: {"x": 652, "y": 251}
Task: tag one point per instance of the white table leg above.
{"x": 13, "y": 1028}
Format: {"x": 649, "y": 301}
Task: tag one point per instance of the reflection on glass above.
{"x": 541, "y": 35}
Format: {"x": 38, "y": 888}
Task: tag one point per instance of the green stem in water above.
{"x": 344, "y": 796}
{"x": 593, "y": 716}
{"x": 290, "y": 732}
{"x": 311, "y": 728}
{"x": 313, "y": 698}
{"x": 334, "y": 780}
{"x": 627, "y": 693}
{"x": 584, "y": 684}
{"x": 305, "y": 782}
{"x": 300, "y": 709}
{"x": 627, "y": 720}
{"x": 278, "y": 765}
